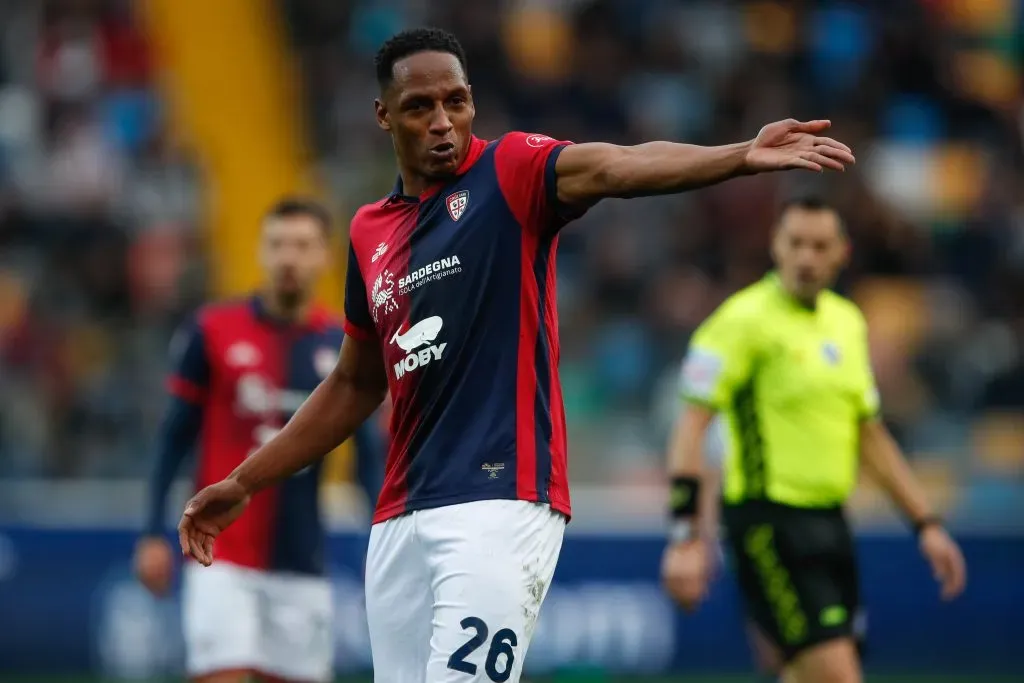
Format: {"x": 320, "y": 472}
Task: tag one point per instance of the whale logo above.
{"x": 420, "y": 334}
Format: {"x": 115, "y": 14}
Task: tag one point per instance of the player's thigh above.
{"x": 831, "y": 661}
{"x": 297, "y": 628}
{"x": 398, "y": 602}
{"x": 491, "y": 567}
{"x": 220, "y": 620}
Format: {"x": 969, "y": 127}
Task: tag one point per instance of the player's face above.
{"x": 293, "y": 252}
{"x": 428, "y": 109}
{"x": 810, "y": 248}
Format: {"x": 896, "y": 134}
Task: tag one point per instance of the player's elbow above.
{"x": 614, "y": 174}
{"x": 598, "y": 171}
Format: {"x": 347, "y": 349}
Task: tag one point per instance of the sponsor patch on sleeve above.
{"x": 701, "y": 372}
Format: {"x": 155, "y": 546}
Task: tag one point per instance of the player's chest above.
{"x": 270, "y": 371}
{"x": 438, "y": 251}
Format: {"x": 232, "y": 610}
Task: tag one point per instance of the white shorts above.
{"x": 453, "y": 593}
{"x": 237, "y": 618}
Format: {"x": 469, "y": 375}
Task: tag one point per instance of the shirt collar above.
{"x": 776, "y": 280}
{"x": 473, "y": 154}
{"x": 315, "y": 319}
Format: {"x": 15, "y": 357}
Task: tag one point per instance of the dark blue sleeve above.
{"x": 178, "y": 435}
{"x": 370, "y": 458}
{"x": 190, "y": 372}
{"x": 358, "y": 321}
{"x": 187, "y": 383}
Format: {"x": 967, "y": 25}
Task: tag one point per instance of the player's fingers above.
{"x": 183, "y": 540}
{"x": 824, "y": 161}
{"x": 836, "y": 153}
{"x": 833, "y": 142}
{"x": 815, "y": 126}
{"x": 806, "y": 164}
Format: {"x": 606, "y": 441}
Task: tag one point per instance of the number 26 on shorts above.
{"x": 502, "y": 644}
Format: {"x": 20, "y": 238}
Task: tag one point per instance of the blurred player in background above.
{"x": 450, "y": 303}
{"x": 786, "y": 362}
{"x": 242, "y": 368}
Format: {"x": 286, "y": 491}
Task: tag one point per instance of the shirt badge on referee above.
{"x": 831, "y": 353}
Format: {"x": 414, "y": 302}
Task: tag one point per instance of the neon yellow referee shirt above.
{"x": 793, "y": 384}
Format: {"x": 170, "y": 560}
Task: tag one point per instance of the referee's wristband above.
{"x": 926, "y": 522}
{"x": 683, "y": 497}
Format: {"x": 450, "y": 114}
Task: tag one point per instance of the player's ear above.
{"x": 383, "y": 118}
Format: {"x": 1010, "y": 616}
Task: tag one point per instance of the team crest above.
{"x": 242, "y": 354}
{"x": 324, "y": 360}
{"x": 831, "y": 353}
{"x": 457, "y": 203}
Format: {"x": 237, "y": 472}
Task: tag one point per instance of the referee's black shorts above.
{"x": 797, "y": 572}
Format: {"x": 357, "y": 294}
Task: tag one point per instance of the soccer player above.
{"x": 450, "y": 303}
{"x": 242, "y": 368}
{"x": 785, "y": 361}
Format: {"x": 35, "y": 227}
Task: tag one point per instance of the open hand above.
{"x": 208, "y": 513}
{"x": 946, "y": 560}
{"x": 797, "y": 144}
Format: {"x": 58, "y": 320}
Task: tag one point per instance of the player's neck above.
{"x": 413, "y": 184}
{"x": 295, "y": 311}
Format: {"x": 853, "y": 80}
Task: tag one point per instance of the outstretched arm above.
{"x": 589, "y": 172}
{"x": 330, "y": 415}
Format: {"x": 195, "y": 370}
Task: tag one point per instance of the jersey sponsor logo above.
{"x": 324, "y": 360}
{"x": 412, "y": 340}
{"x": 242, "y": 354}
{"x": 383, "y": 295}
{"x": 701, "y": 371}
{"x": 831, "y": 353}
{"x": 256, "y": 396}
{"x": 431, "y": 272}
{"x": 538, "y": 140}
{"x": 381, "y": 249}
{"x": 457, "y": 203}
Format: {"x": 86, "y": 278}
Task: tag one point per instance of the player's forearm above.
{"x": 882, "y": 459}
{"x": 331, "y": 415}
{"x": 178, "y": 434}
{"x": 657, "y": 168}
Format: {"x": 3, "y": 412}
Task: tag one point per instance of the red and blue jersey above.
{"x": 239, "y": 375}
{"x": 458, "y": 288}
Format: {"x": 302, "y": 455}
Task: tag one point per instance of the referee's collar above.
{"x": 776, "y": 281}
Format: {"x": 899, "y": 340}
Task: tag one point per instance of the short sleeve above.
{"x": 358, "y": 322}
{"x": 720, "y": 360}
{"x": 869, "y": 403}
{"x": 190, "y": 367}
{"x": 525, "y": 164}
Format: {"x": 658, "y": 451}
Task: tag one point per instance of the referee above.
{"x": 785, "y": 362}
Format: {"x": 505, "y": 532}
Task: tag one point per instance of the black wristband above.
{"x": 683, "y": 497}
{"x": 928, "y": 521}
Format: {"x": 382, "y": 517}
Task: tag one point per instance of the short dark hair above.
{"x": 807, "y": 202}
{"x": 810, "y": 202}
{"x": 411, "y": 42}
{"x": 293, "y": 205}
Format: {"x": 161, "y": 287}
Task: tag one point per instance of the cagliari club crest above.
{"x": 457, "y": 203}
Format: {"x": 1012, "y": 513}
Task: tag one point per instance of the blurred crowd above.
{"x": 99, "y": 218}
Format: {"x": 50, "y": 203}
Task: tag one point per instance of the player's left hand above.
{"x": 793, "y": 144}
{"x": 946, "y": 560}
{"x": 208, "y": 513}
